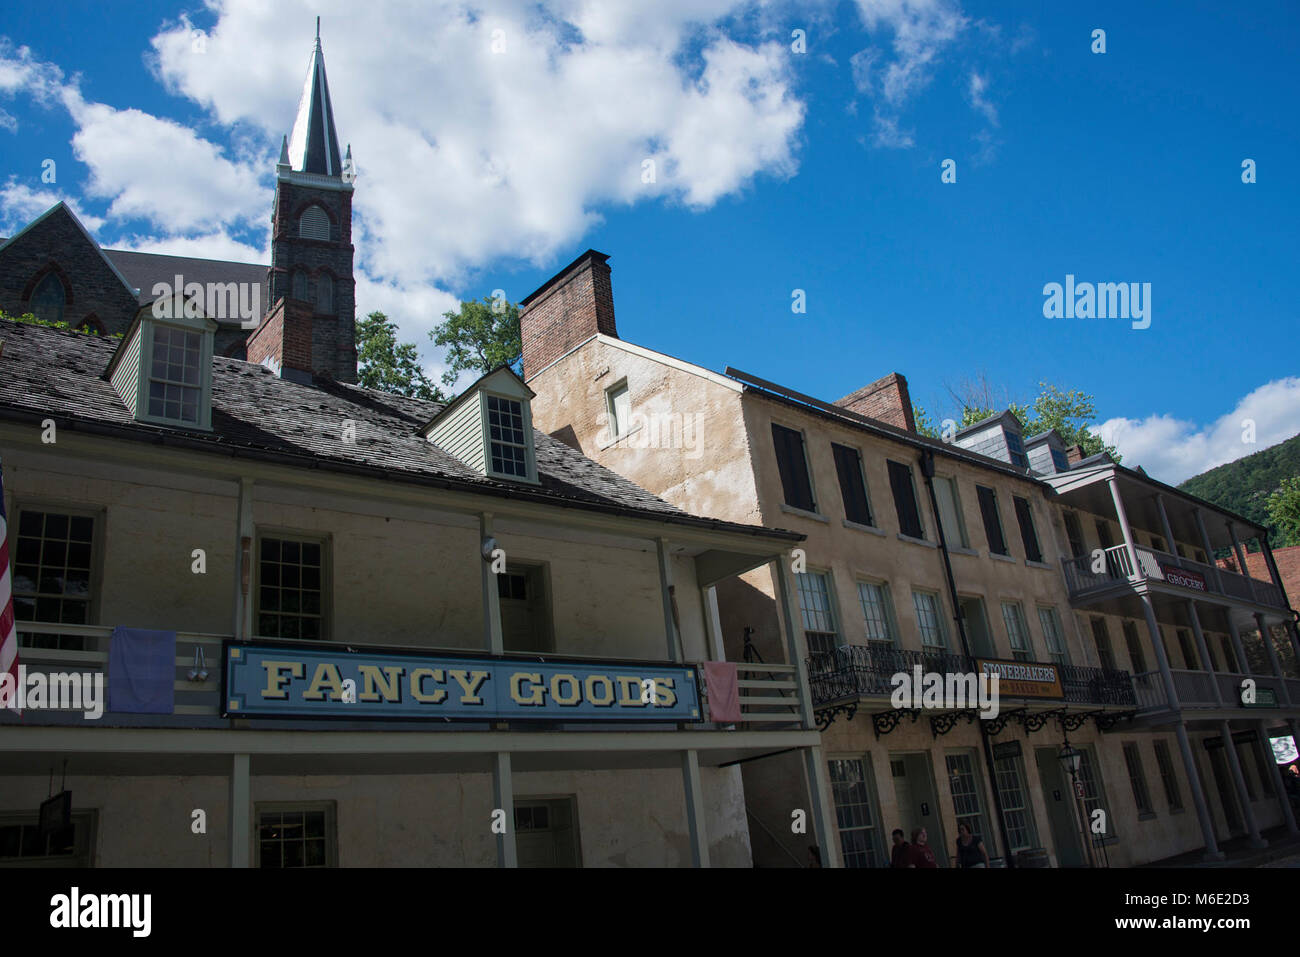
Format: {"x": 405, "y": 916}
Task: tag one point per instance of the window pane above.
{"x": 929, "y": 621}
{"x": 874, "y": 613}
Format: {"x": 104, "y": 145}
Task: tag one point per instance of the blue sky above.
{"x": 486, "y": 168}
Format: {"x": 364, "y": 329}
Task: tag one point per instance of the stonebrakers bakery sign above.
{"x": 1184, "y": 579}
{"x": 273, "y": 680}
{"x": 1021, "y": 679}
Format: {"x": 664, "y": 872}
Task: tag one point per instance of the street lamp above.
{"x": 1070, "y": 759}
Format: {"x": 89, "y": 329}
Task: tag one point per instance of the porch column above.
{"x": 1164, "y": 524}
{"x": 1267, "y": 639}
{"x": 245, "y": 544}
{"x": 1279, "y": 788}
{"x": 1209, "y": 551}
{"x": 492, "y": 639}
{"x": 713, "y": 624}
{"x": 1243, "y": 796}
{"x": 1124, "y": 526}
{"x": 240, "y": 810}
{"x": 821, "y": 807}
{"x": 503, "y": 799}
{"x": 1204, "y": 648}
{"x": 1241, "y": 557}
{"x": 1237, "y": 647}
{"x": 675, "y": 651}
{"x": 695, "y": 809}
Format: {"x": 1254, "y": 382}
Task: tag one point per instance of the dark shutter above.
{"x": 848, "y": 464}
{"x": 1075, "y": 534}
{"x": 900, "y": 481}
{"x": 992, "y": 527}
{"x": 1027, "y": 534}
{"x": 793, "y": 467}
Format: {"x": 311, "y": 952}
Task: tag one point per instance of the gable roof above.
{"x": 63, "y": 208}
{"x": 473, "y": 389}
{"x": 144, "y": 270}
{"x": 53, "y": 373}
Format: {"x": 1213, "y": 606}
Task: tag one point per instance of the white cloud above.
{"x": 1173, "y": 450}
{"x": 921, "y": 29}
{"x": 21, "y": 203}
{"x": 216, "y": 245}
{"x": 975, "y": 91}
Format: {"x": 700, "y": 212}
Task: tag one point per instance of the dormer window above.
{"x": 489, "y": 428}
{"x": 163, "y": 367}
{"x": 315, "y": 224}
{"x": 1016, "y": 449}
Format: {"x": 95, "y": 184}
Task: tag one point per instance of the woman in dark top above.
{"x": 970, "y": 849}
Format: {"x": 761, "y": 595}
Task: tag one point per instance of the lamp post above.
{"x": 1070, "y": 759}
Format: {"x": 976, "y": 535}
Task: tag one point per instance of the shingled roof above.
{"x": 53, "y": 373}
{"x": 144, "y": 270}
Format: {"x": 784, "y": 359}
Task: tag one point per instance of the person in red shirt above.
{"x": 922, "y": 854}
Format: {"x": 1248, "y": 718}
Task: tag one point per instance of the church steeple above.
{"x": 314, "y": 144}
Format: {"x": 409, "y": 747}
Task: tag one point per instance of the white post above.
{"x": 695, "y": 809}
{"x": 492, "y": 637}
{"x": 240, "y": 810}
{"x": 503, "y": 797}
{"x": 1204, "y": 648}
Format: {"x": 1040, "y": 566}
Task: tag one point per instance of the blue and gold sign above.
{"x": 282, "y": 680}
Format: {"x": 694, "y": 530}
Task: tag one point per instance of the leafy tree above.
{"x": 1284, "y": 512}
{"x": 479, "y": 338}
{"x": 385, "y": 364}
{"x": 1246, "y": 485}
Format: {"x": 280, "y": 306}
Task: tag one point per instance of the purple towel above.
{"x": 142, "y": 671}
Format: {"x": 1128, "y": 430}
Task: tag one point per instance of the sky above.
{"x": 768, "y": 178}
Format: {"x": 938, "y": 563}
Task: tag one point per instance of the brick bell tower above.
{"x": 311, "y": 234}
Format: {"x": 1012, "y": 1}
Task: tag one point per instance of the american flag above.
{"x": 8, "y": 633}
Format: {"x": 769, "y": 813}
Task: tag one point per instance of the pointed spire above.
{"x": 284, "y": 152}
{"x": 349, "y": 168}
{"x": 313, "y": 144}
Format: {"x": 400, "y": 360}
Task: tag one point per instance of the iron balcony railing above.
{"x": 867, "y": 671}
{"x": 1117, "y": 568}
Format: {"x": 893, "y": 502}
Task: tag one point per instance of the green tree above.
{"x": 1284, "y": 512}
{"x": 480, "y": 337}
{"x": 385, "y": 364}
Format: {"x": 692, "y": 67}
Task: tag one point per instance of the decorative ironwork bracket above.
{"x": 1073, "y": 722}
{"x": 1037, "y": 721}
{"x": 995, "y": 726}
{"x": 943, "y": 723}
{"x": 883, "y": 722}
{"x": 1108, "y": 719}
{"x": 825, "y": 717}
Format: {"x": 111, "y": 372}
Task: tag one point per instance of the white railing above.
{"x": 1149, "y": 686}
{"x": 1081, "y": 578}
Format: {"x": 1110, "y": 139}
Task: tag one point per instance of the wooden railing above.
{"x": 1082, "y": 580}
{"x": 769, "y": 694}
{"x": 1197, "y": 689}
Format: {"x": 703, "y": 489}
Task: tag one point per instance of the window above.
{"x": 296, "y": 835}
{"x": 992, "y": 521}
{"x": 876, "y": 611}
{"x": 23, "y": 845}
{"x": 853, "y": 487}
{"x": 1209, "y": 650}
{"x": 1017, "y": 631}
{"x": 324, "y": 293}
{"x": 509, "y": 449}
{"x": 1188, "y": 650}
{"x": 954, "y": 529}
{"x": 1173, "y": 796}
{"x": 818, "y": 617}
{"x": 1059, "y": 460}
{"x": 48, "y": 299}
{"x": 1141, "y": 796}
{"x": 175, "y": 375}
{"x": 909, "y": 517}
{"x": 300, "y": 285}
{"x": 793, "y": 466}
{"x": 1009, "y": 771}
{"x": 525, "y": 609}
{"x": 291, "y": 589}
{"x": 1016, "y": 449}
{"x": 1102, "y": 638}
{"x": 977, "y": 626}
{"x": 1094, "y": 794}
{"x": 1053, "y": 635}
{"x": 618, "y": 406}
{"x": 967, "y": 798}
{"x": 1135, "y": 654}
{"x": 315, "y": 224}
{"x": 929, "y": 619}
{"x": 1157, "y": 543}
{"x": 52, "y": 561}
{"x": 856, "y": 819}
{"x": 1229, "y": 655}
{"x": 91, "y": 325}
{"x": 1028, "y": 534}
{"x": 1075, "y": 534}
{"x": 546, "y": 834}
{"x": 1103, "y": 534}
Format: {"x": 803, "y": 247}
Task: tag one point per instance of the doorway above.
{"x": 977, "y": 626}
{"x": 913, "y": 775}
{"x": 1227, "y": 792}
{"x": 1060, "y": 809}
{"x": 546, "y": 834}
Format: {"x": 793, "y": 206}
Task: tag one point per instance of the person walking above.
{"x": 970, "y": 849}
{"x": 922, "y": 853}
{"x": 901, "y": 855}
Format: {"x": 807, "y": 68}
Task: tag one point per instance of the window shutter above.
{"x": 848, "y": 465}
{"x": 1027, "y": 533}
{"x": 900, "y": 482}
{"x": 992, "y": 527}
{"x": 793, "y": 468}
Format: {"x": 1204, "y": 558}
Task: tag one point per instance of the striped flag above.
{"x": 8, "y": 633}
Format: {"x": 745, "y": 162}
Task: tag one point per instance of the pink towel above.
{"x": 724, "y": 692}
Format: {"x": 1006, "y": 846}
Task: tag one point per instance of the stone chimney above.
{"x": 885, "y": 400}
{"x": 1074, "y": 454}
{"x": 568, "y": 309}
{"x": 282, "y": 342}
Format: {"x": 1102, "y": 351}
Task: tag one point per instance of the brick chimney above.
{"x": 885, "y": 400}
{"x": 1074, "y": 454}
{"x": 283, "y": 341}
{"x": 568, "y": 309}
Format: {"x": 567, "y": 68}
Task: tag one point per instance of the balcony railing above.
{"x": 1153, "y": 565}
{"x": 860, "y": 671}
{"x": 768, "y": 694}
{"x": 1196, "y": 689}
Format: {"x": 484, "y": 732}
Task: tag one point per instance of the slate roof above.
{"x": 143, "y": 270}
{"x": 52, "y": 373}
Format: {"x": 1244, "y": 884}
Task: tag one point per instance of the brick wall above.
{"x": 571, "y": 307}
{"x": 285, "y": 337}
{"x": 885, "y": 400}
{"x": 91, "y": 286}
{"x": 1288, "y": 567}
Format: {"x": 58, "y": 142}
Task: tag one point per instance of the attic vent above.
{"x": 315, "y": 224}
